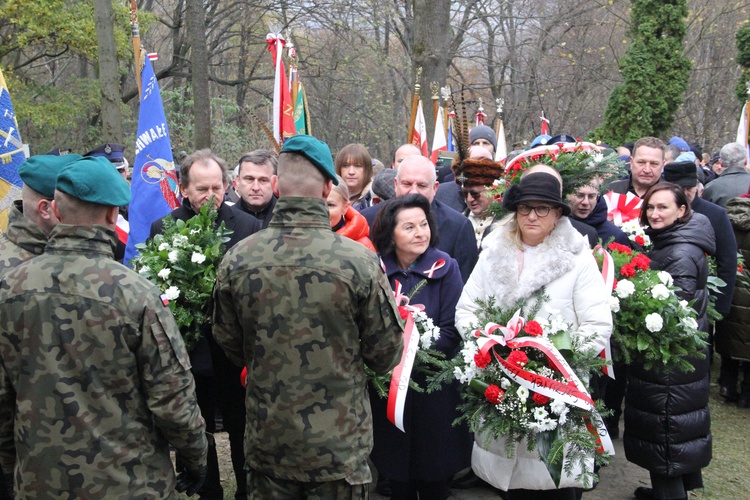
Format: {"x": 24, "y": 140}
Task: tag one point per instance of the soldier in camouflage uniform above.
{"x": 95, "y": 380}
{"x": 305, "y": 310}
{"x": 31, "y": 220}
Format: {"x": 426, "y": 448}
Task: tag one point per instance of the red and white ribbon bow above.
{"x": 487, "y": 338}
{"x": 437, "y": 265}
{"x": 622, "y": 207}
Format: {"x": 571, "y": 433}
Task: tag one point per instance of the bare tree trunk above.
{"x": 109, "y": 79}
{"x": 195, "y": 20}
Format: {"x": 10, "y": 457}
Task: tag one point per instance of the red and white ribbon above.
{"x": 622, "y": 207}
{"x": 608, "y": 274}
{"x": 437, "y": 265}
{"x": 402, "y": 373}
{"x": 486, "y": 338}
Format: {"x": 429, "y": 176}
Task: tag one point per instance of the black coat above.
{"x": 455, "y": 234}
{"x": 432, "y": 448}
{"x": 604, "y": 228}
{"x": 667, "y": 423}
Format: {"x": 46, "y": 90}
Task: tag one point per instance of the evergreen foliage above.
{"x": 655, "y": 74}
{"x": 742, "y": 43}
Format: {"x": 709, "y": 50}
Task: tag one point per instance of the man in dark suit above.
{"x": 204, "y": 175}
{"x": 684, "y": 175}
{"x": 416, "y": 174}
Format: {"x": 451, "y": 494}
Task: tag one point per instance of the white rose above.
{"x": 684, "y": 304}
{"x": 505, "y": 383}
{"x": 522, "y": 393}
{"x": 144, "y": 270}
{"x": 164, "y": 273}
{"x": 163, "y": 246}
{"x": 558, "y": 406}
{"x": 665, "y": 278}
{"x": 198, "y": 258}
{"x": 654, "y": 322}
{"x": 179, "y": 240}
{"x": 173, "y": 256}
{"x": 690, "y": 322}
{"x": 625, "y": 289}
{"x": 614, "y": 304}
{"x": 172, "y": 292}
{"x": 660, "y": 292}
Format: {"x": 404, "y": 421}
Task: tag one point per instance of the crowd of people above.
{"x": 96, "y": 385}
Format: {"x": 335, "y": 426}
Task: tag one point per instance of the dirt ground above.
{"x": 727, "y": 477}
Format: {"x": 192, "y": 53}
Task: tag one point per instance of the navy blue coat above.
{"x": 726, "y": 250}
{"x": 604, "y": 228}
{"x": 455, "y": 235}
{"x": 449, "y": 193}
{"x": 431, "y": 449}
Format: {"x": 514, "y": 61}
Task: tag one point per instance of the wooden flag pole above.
{"x": 136, "y": 35}
{"x": 435, "y": 88}
{"x": 414, "y": 104}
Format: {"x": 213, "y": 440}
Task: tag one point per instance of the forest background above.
{"x": 73, "y": 83}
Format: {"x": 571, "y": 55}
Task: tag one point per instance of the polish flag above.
{"x": 419, "y": 138}
{"x": 439, "y": 143}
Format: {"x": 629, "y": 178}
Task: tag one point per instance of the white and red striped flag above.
{"x": 742, "y": 130}
{"x": 439, "y": 142}
{"x": 545, "y": 124}
{"x": 419, "y": 138}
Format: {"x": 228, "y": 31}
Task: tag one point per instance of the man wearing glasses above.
{"x": 588, "y": 207}
{"x": 646, "y": 166}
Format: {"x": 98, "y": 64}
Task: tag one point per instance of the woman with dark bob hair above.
{"x": 421, "y": 461}
{"x": 667, "y": 424}
{"x": 354, "y": 164}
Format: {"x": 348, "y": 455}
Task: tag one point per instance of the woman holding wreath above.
{"x": 535, "y": 247}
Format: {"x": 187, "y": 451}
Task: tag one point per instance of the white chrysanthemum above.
{"x": 144, "y": 270}
{"x": 690, "y": 322}
{"x": 563, "y": 416}
{"x": 198, "y": 258}
{"x": 504, "y": 384}
{"x": 548, "y": 424}
{"x": 624, "y": 289}
{"x": 179, "y": 240}
{"x": 163, "y": 246}
{"x": 425, "y": 340}
{"x": 173, "y": 256}
{"x": 614, "y": 304}
{"x": 558, "y": 406}
{"x": 172, "y": 292}
{"x": 164, "y": 273}
{"x": 660, "y": 292}
{"x": 540, "y": 413}
{"x": 522, "y": 393}
{"x": 654, "y": 322}
{"x": 469, "y": 351}
{"x": 665, "y": 278}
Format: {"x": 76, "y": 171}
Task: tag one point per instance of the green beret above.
{"x": 314, "y": 150}
{"x": 95, "y": 180}
{"x": 40, "y": 172}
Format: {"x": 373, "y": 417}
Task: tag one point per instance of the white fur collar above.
{"x": 554, "y": 257}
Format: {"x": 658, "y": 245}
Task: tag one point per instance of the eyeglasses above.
{"x": 540, "y": 210}
{"x": 473, "y": 194}
{"x": 587, "y": 196}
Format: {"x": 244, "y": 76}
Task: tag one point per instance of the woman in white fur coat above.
{"x": 535, "y": 247}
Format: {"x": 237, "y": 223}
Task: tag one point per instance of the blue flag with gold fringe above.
{"x": 11, "y": 154}
{"x": 154, "y": 188}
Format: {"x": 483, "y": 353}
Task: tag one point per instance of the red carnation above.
{"x": 614, "y": 284}
{"x": 617, "y": 247}
{"x": 640, "y": 240}
{"x": 533, "y": 328}
{"x": 740, "y": 268}
{"x": 641, "y": 262}
{"x": 628, "y": 270}
{"x": 494, "y": 394}
{"x": 518, "y": 357}
{"x": 482, "y": 360}
{"x": 540, "y": 399}
{"x": 404, "y": 312}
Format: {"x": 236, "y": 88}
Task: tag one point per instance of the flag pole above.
{"x": 435, "y": 88}
{"x": 414, "y": 104}
{"x": 136, "y": 35}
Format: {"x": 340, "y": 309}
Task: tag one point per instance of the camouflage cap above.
{"x": 40, "y": 172}
{"x": 95, "y": 180}
{"x": 314, "y": 150}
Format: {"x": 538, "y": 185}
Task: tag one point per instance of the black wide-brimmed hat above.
{"x": 535, "y": 187}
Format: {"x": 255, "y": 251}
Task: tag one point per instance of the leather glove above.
{"x": 190, "y": 481}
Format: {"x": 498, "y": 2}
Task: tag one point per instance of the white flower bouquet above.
{"x": 182, "y": 262}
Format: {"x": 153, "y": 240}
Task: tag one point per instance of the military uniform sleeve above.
{"x": 7, "y": 413}
{"x": 380, "y": 327}
{"x": 226, "y": 327}
{"x": 169, "y": 384}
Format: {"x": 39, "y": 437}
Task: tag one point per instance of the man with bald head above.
{"x": 416, "y": 174}
{"x": 305, "y": 310}
{"x": 402, "y": 152}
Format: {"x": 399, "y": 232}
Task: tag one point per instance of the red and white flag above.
{"x": 545, "y": 125}
{"x": 419, "y": 139}
{"x": 283, "y": 107}
{"x": 502, "y": 148}
{"x": 742, "y": 130}
{"x": 439, "y": 142}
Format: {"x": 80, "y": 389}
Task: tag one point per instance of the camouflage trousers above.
{"x": 263, "y": 487}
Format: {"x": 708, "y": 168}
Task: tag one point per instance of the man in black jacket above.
{"x": 204, "y": 175}
{"x": 255, "y": 176}
{"x": 646, "y": 166}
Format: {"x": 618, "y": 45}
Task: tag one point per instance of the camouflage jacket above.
{"x": 306, "y": 309}
{"x": 95, "y": 377}
{"x": 21, "y": 241}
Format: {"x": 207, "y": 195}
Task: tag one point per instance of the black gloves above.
{"x": 189, "y": 481}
